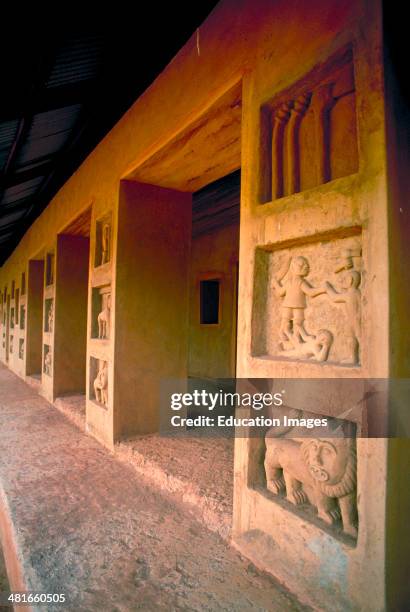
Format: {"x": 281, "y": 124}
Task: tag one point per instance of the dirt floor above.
{"x": 196, "y": 471}
{"x": 86, "y": 525}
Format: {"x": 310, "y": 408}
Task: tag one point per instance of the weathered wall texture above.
{"x": 298, "y": 103}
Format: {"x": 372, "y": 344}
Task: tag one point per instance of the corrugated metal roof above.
{"x": 63, "y": 88}
{"x": 79, "y": 59}
{"x": 20, "y": 191}
{"x": 8, "y": 130}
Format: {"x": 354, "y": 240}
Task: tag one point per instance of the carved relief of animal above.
{"x": 101, "y": 383}
{"x": 321, "y": 472}
{"x": 105, "y": 243}
{"x": 104, "y": 319}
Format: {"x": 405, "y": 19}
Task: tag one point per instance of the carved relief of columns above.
{"x": 292, "y": 143}
{"x": 322, "y": 102}
{"x": 308, "y": 134}
{"x": 279, "y": 121}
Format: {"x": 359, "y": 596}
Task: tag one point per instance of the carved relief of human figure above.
{"x": 294, "y": 292}
{"x": 47, "y": 363}
{"x": 101, "y": 383}
{"x": 350, "y": 296}
{"x": 316, "y": 347}
{"x": 50, "y": 317}
{"x": 104, "y": 318}
{"x": 105, "y": 243}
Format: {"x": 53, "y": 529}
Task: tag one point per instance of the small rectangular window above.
{"x": 209, "y": 301}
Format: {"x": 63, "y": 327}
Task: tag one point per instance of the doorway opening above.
{"x": 186, "y": 195}
{"x": 213, "y": 285}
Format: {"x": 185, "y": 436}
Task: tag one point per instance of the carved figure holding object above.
{"x": 350, "y": 296}
{"x": 294, "y": 292}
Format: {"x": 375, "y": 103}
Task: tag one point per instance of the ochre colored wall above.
{"x": 245, "y": 34}
{"x": 265, "y": 47}
{"x": 70, "y": 314}
{"x": 34, "y": 316}
{"x": 151, "y": 303}
{"x": 212, "y": 347}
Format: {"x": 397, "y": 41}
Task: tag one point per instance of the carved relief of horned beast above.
{"x": 321, "y": 472}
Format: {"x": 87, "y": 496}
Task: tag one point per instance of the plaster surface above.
{"x": 198, "y": 472}
{"x": 212, "y": 348}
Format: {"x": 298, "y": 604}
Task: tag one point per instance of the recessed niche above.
{"x": 101, "y": 310}
{"x": 22, "y": 317}
{"x": 11, "y": 344}
{"x": 12, "y": 318}
{"x": 103, "y": 241}
{"x": 308, "y": 132}
{"x": 307, "y": 301}
{"x": 48, "y": 361}
{"x": 50, "y": 269}
{"x": 49, "y": 315}
{"x": 13, "y": 285}
{"x": 17, "y": 302}
{"x": 21, "y": 348}
{"x": 98, "y": 391}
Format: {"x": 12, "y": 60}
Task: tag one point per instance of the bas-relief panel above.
{"x": 99, "y": 381}
{"x": 312, "y": 306}
{"x": 48, "y": 360}
{"x": 315, "y": 472}
{"x": 308, "y": 133}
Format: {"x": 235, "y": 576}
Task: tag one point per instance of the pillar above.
{"x": 70, "y": 314}
{"x": 151, "y": 301}
{"x": 34, "y": 317}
